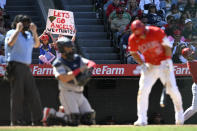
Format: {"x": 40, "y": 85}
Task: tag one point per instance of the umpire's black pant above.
{"x": 23, "y": 88}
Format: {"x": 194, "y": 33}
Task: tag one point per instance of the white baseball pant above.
{"x": 147, "y": 80}
{"x": 193, "y": 108}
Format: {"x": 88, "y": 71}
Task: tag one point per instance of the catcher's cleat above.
{"x": 45, "y": 115}
{"x": 140, "y": 123}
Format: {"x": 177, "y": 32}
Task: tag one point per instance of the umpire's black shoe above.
{"x": 18, "y": 123}
{"x": 37, "y": 123}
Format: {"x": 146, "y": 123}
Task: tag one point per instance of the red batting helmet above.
{"x": 137, "y": 27}
{"x": 187, "y": 52}
{"x": 44, "y": 37}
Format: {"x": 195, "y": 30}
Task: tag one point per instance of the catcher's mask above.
{"x": 65, "y": 46}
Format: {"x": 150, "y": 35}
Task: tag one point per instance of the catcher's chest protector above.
{"x": 72, "y": 64}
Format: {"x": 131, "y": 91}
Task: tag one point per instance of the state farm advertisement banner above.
{"x": 60, "y": 22}
{"x": 104, "y": 70}
{"x": 132, "y": 70}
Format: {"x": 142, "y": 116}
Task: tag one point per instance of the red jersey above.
{"x": 192, "y": 65}
{"x": 151, "y": 47}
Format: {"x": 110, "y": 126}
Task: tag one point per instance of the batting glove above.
{"x": 166, "y": 64}
{"x": 145, "y": 67}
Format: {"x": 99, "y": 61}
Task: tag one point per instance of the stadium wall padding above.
{"x": 111, "y": 98}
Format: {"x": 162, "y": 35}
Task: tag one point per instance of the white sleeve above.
{"x": 57, "y": 71}
{"x": 9, "y": 33}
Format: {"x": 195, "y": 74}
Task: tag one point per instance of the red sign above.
{"x": 132, "y": 70}
{"x": 104, "y": 70}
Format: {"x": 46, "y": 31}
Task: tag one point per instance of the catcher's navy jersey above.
{"x": 61, "y": 67}
{"x": 72, "y": 64}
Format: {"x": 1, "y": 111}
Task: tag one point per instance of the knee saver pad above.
{"x": 74, "y": 119}
{"x": 88, "y": 118}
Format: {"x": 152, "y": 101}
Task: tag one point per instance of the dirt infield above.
{"x": 102, "y": 128}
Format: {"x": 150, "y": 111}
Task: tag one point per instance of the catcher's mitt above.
{"x": 84, "y": 77}
{"x": 187, "y": 52}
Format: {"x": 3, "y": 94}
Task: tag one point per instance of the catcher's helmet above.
{"x": 64, "y": 42}
{"x": 137, "y": 27}
{"x": 187, "y": 52}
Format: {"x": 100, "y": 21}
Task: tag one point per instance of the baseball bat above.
{"x": 163, "y": 98}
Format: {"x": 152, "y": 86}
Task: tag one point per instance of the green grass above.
{"x": 105, "y": 128}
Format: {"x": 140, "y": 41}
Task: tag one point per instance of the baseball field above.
{"x": 105, "y": 128}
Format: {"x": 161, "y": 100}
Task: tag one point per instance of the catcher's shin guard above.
{"x": 88, "y": 118}
{"x": 74, "y": 119}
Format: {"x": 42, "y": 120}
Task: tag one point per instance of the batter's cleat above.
{"x": 140, "y": 123}
{"x": 179, "y": 122}
{"x": 179, "y": 118}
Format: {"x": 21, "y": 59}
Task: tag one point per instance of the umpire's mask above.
{"x": 65, "y": 46}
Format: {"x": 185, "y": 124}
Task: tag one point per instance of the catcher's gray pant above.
{"x": 147, "y": 79}
{"x": 74, "y": 102}
{"x": 193, "y": 108}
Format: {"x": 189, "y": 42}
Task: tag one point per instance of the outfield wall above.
{"x": 108, "y": 96}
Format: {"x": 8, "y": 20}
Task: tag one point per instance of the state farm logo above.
{"x": 42, "y": 70}
{"x": 106, "y": 70}
{"x": 2, "y": 70}
{"x": 181, "y": 70}
{"x": 137, "y": 70}
{"x": 177, "y": 70}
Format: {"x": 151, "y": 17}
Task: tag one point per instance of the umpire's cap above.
{"x": 64, "y": 42}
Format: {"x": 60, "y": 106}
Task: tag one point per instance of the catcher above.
{"x": 188, "y": 54}
{"x": 72, "y": 72}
